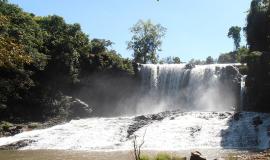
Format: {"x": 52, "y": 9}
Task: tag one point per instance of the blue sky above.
{"x": 195, "y": 29}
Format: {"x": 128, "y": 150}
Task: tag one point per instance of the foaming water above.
{"x": 172, "y": 131}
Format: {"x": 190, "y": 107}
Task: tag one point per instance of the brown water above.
{"x": 64, "y": 155}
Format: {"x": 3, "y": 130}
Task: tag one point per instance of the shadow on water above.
{"x": 247, "y": 131}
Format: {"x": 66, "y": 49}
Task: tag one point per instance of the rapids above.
{"x": 167, "y": 131}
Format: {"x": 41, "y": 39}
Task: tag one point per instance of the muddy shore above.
{"x": 124, "y": 155}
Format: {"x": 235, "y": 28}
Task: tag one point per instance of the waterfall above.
{"x": 183, "y": 92}
{"x": 243, "y": 92}
{"x": 175, "y": 86}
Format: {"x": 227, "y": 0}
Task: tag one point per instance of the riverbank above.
{"x": 125, "y": 155}
{"x": 11, "y": 129}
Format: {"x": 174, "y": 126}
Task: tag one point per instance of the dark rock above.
{"x": 237, "y": 116}
{"x": 222, "y": 116}
{"x": 79, "y": 109}
{"x": 15, "y": 130}
{"x": 143, "y": 120}
{"x": 196, "y": 156}
{"x": 194, "y": 130}
{"x": 12, "y": 130}
{"x": 268, "y": 130}
{"x": 157, "y": 117}
{"x": 142, "y": 117}
{"x": 189, "y": 66}
{"x": 16, "y": 145}
{"x": 257, "y": 121}
{"x": 257, "y": 82}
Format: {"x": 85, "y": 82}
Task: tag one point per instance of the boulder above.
{"x": 189, "y": 66}
{"x": 196, "y": 156}
{"x": 16, "y": 145}
{"x": 79, "y": 109}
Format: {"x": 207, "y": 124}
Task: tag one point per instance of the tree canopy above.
{"x": 41, "y": 57}
{"x": 146, "y": 41}
{"x": 234, "y": 32}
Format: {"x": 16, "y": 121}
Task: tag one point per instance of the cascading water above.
{"x": 202, "y": 88}
{"x": 243, "y": 92}
{"x": 187, "y": 91}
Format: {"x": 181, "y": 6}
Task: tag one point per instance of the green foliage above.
{"x": 5, "y": 125}
{"x": 234, "y": 32}
{"x": 257, "y": 29}
{"x": 34, "y": 125}
{"x": 170, "y": 60}
{"x": 144, "y": 157}
{"x": 209, "y": 60}
{"x": 196, "y": 62}
{"x": 162, "y": 156}
{"x": 64, "y": 44}
{"x": 146, "y": 41}
{"x": 242, "y": 54}
{"x": 41, "y": 57}
{"x": 228, "y": 57}
{"x": 100, "y": 58}
{"x": 176, "y": 60}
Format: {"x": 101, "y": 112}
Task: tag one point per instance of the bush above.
{"x": 33, "y": 125}
{"x": 162, "y": 156}
{"x": 5, "y": 125}
{"x": 144, "y": 157}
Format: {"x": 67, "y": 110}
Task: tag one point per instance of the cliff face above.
{"x": 258, "y": 82}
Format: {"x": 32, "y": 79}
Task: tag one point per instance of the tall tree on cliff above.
{"x": 146, "y": 41}
{"x": 234, "y": 33}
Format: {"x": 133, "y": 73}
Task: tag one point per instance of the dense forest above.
{"x": 43, "y": 59}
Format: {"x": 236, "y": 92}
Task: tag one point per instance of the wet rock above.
{"x": 237, "y": 116}
{"x": 143, "y": 120}
{"x": 15, "y": 130}
{"x": 12, "y": 130}
{"x": 257, "y": 121}
{"x": 16, "y": 145}
{"x": 189, "y": 66}
{"x": 194, "y": 130}
{"x": 196, "y": 156}
{"x": 157, "y": 117}
{"x": 79, "y": 109}
{"x": 268, "y": 130}
{"x": 222, "y": 116}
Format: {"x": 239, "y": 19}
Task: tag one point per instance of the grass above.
{"x": 162, "y": 156}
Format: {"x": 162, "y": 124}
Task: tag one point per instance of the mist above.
{"x": 159, "y": 88}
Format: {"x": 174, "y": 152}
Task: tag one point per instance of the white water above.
{"x": 178, "y": 131}
{"x": 203, "y": 88}
{"x": 167, "y": 87}
{"x": 243, "y": 92}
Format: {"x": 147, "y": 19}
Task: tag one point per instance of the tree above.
{"x": 176, "y": 60}
{"x": 196, "y": 62}
{"x": 170, "y": 60}
{"x": 234, "y": 32}
{"x": 209, "y": 60}
{"x": 257, "y": 28}
{"x": 227, "y": 57}
{"x": 146, "y": 41}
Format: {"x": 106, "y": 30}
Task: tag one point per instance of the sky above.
{"x": 195, "y": 29}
